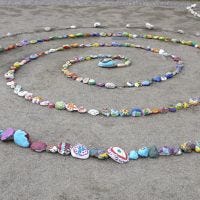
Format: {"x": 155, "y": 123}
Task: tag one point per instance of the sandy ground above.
{"x": 27, "y": 175}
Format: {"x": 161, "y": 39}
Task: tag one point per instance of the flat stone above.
{"x": 21, "y": 138}
{"x": 80, "y": 151}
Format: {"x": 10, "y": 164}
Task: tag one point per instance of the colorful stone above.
{"x": 107, "y": 63}
{"x": 93, "y": 112}
{"x": 153, "y": 152}
{"x": 143, "y": 152}
{"x": 187, "y": 147}
{"x": 38, "y": 146}
{"x": 118, "y": 154}
{"x": 64, "y": 148}
{"x": 133, "y": 155}
{"x": 98, "y": 153}
{"x": 136, "y": 112}
{"x": 80, "y": 151}
{"x": 21, "y": 138}
{"x": 7, "y": 134}
{"x": 60, "y": 105}
{"x": 51, "y": 148}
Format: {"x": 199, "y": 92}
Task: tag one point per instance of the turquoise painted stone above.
{"x": 153, "y": 152}
{"x": 114, "y": 113}
{"x": 107, "y": 63}
{"x": 143, "y": 152}
{"x": 133, "y": 155}
{"x": 21, "y": 138}
{"x": 91, "y": 82}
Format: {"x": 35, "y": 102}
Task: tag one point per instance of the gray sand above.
{"x": 28, "y": 175}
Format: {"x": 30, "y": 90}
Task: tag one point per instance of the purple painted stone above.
{"x": 100, "y": 84}
{"x": 7, "y": 134}
{"x": 38, "y": 146}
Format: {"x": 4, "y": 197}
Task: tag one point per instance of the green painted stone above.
{"x": 60, "y": 105}
{"x": 79, "y": 35}
{"x": 153, "y": 152}
{"x": 91, "y": 82}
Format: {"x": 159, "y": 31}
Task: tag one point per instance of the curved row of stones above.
{"x": 22, "y": 139}
{"x": 107, "y": 61}
{"x": 60, "y": 105}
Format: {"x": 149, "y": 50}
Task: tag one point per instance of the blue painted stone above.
{"x": 114, "y": 113}
{"x": 136, "y": 112}
{"x": 144, "y": 152}
{"x": 21, "y": 138}
{"x": 157, "y": 79}
{"x": 172, "y": 109}
{"x": 133, "y": 155}
{"x": 33, "y": 56}
{"x": 146, "y": 83}
{"x": 168, "y": 75}
{"x": 107, "y": 63}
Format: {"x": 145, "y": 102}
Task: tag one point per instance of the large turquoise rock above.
{"x": 21, "y": 138}
{"x": 107, "y": 63}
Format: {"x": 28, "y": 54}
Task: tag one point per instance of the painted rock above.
{"x": 197, "y": 147}
{"x": 110, "y": 85}
{"x": 11, "y": 84}
{"x": 105, "y": 112}
{"x": 93, "y": 112}
{"x": 133, "y": 155}
{"x": 7, "y": 134}
{"x": 60, "y": 105}
{"x": 9, "y": 74}
{"x": 176, "y": 151}
{"x": 146, "y": 111}
{"x": 98, "y": 153}
{"x": 107, "y": 63}
{"x": 153, "y": 152}
{"x": 81, "y": 109}
{"x": 187, "y": 147}
{"x": 124, "y": 113}
{"x": 91, "y": 82}
{"x": 143, "y": 152}
{"x": 157, "y": 79}
{"x": 114, "y": 113}
{"x": 100, "y": 84}
{"x": 36, "y": 100}
{"x": 86, "y": 80}
{"x": 21, "y": 138}
{"x": 44, "y": 103}
{"x": 118, "y": 154}
{"x": 17, "y": 89}
{"x": 165, "y": 151}
{"x": 28, "y": 96}
{"x": 130, "y": 84}
{"x": 51, "y": 148}
{"x": 71, "y": 107}
{"x": 64, "y": 148}
{"x": 38, "y": 146}
{"x": 136, "y": 112}
{"x": 172, "y": 108}
{"x": 146, "y": 83}
{"x": 80, "y": 151}
{"x": 22, "y": 93}
{"x": 1, "y": 131}
{"x": 51, "y": 105}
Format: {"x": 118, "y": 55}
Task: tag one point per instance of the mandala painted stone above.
{"x": 118, "y": 154}
{"x": 80, "y": 151}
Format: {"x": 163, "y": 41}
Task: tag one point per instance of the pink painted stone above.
{"x": 38, "y": 146}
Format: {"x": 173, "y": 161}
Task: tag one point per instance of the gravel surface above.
{"x": 26, "y": 175}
